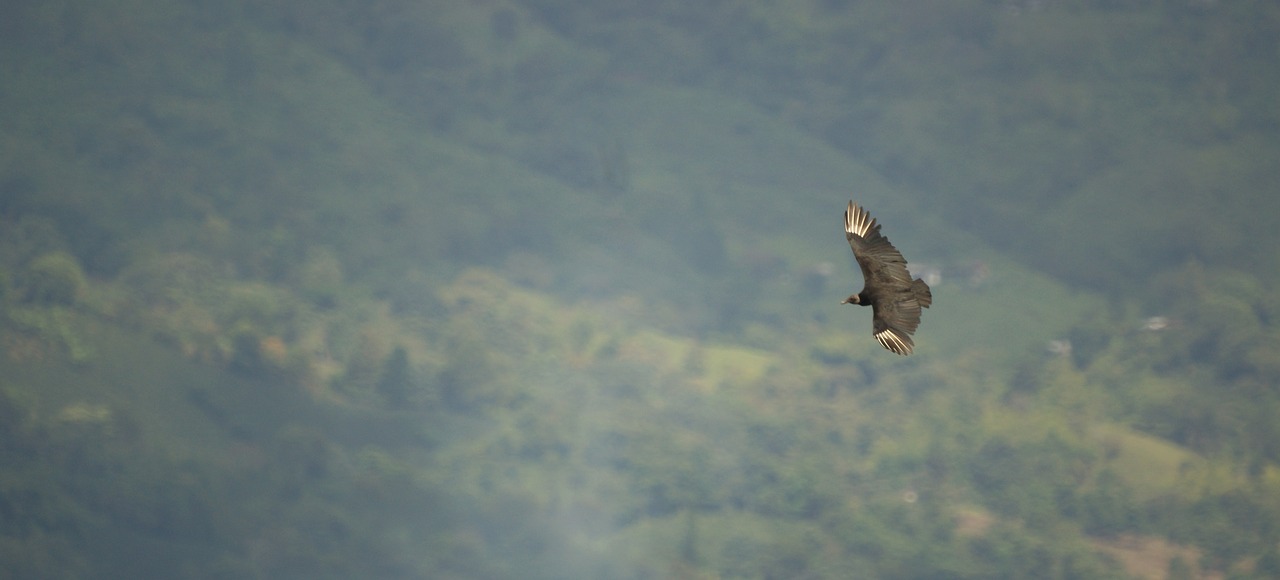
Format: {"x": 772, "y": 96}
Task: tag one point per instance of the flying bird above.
{"x": 895, "y": 299}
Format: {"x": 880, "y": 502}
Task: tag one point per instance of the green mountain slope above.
{"x": 549, "y": 289}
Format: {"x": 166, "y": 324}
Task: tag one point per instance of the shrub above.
{"x": 55, "y": 278}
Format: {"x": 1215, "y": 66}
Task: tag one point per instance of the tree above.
{"x": 396, "y": 382}
{"x": 52, "y": 279}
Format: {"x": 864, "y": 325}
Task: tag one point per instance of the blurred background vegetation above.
{"x": 549, "y": 289}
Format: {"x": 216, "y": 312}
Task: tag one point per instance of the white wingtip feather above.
{"x": 857, "y": 221}
{"x": 890, "y": 340}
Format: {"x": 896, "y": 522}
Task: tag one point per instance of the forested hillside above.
{"x": 549, "y": 289}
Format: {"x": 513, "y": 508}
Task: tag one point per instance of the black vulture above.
{"x": 895, "y": 298}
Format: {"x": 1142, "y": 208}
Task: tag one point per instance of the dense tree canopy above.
{"x": 548, "y": 289}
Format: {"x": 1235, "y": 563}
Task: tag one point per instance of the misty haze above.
{"x": 550, "y": 289}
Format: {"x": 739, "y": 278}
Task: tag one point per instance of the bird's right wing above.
{"x": 898, "y": 342}
{"x": 893, "y": 323}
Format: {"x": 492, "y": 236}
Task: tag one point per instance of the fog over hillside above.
{"x": 550, "y": 289}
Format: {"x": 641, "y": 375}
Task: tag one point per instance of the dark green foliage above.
{"x": 246, "y": 351}
{"x": 397, "y": 381}
{"x": 1010, "y": 553}
{"x": 1108, "y": 508}
{"x": 53, "y": 279}
{"x": 539, "y": 288}
{"x": 1267, "y": 565}
{"x": 1233, "y": 524}
{"x": 466, "y": 381}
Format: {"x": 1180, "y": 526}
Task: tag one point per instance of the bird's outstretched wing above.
{"x": 893, "y": 322}
{"x": 896, "y": 342}
{"x": 877, "y": 257}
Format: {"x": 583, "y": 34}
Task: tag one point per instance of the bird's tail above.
{"x": 923, "y": 295}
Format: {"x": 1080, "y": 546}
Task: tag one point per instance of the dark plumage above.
{"x": 895, "y": 298}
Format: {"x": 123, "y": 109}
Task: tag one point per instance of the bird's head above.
{"x": 854, "y": 299}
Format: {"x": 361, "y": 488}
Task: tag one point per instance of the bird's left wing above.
{"x": 875, "y": 255}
